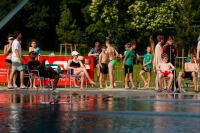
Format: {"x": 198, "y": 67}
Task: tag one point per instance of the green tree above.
{"x": 150, "y": 17}
{"x": 186, "y": 31}
{"x": 66, "y": 29}
{"x": 107, "y": 19}
{"x": 37, "y": 19}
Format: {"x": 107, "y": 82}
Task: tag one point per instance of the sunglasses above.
{"x": 33, "y": 53}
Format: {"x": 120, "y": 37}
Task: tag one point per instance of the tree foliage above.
{"x": 108, "y": 19}
{"x": 129, "y": 20}
{"x": 151, "y": 17}
{"x": 66, "y": 29}
{"x": 120, "y": 20}
{"x": 186, "y": 31}
{"x": 37, "y": 19}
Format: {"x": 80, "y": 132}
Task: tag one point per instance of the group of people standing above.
{"x": 14, "y": 57}
{"x": 162, "y": 62}
{"x": 104, "y": 61}
{"x": 13, "y": 53}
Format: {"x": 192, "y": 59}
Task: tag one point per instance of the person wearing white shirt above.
{"x": 157, "y": 57}
{"x": 17, "y": 64}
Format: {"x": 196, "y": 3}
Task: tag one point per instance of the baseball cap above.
{"x": 10, "y": 38}
{"x": 75, "y": 53}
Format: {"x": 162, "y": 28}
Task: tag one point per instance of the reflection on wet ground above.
{"x": 99, "y": 112}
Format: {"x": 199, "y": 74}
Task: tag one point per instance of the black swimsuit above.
{"x": 74, "y": 64}
{"x": 8, "y": 60}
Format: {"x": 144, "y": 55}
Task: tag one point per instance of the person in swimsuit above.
{"x": 77, "y": 68}
{"x": 33, "y": 48}
{"x": 17, "y": 63}
{"x": 103, "y": 63}
{"x": 147, "y": 66}
{"x": 191, "y": 70}
{"x": 8, "y": 54}
{"x": 165, "y": 71}
{"x": 127, "y": 65}
{"x": 112, "y": 53}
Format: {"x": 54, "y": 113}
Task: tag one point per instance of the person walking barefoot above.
{"x": 32, "y": 47}
{"x": 8, "y": 54}
{"x": 103, "y": 63}
{"x": 112, "y": 53}
{"x": 147, "y": 66}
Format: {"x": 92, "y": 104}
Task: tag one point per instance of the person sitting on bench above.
{"x": 47, "y": 72}
{"x": 191, "y": 70}
{"x": 165, "y": 69}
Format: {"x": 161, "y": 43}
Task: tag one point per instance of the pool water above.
{"x": 99, "y": 113}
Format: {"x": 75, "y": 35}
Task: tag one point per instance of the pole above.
{"x": 183, "y": 66}
{"x": 12, "y": 12}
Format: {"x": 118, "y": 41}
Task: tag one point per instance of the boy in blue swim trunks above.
{"x": 112, "y": 53}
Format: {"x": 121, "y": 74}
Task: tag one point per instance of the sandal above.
{"x": 169, "y": 91}
{"x": 110, "y": 87}
{"x": 10, "y": 87}
{"x": 133, "y": 87}
{"x": 107, "y": 88}
{"x": 159, "y": 90}
{"x": 177, "y": 91}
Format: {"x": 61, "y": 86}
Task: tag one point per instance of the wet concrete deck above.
{"x": 95, "y": 110}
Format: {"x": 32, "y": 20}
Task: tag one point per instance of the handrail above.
{"x": 12, "y": 12}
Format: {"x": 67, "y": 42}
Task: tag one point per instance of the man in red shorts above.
{"x": 165, "y": 71}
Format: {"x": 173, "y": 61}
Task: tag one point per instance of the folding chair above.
{"x": 57, "y": 68}
{"x": 27, "y": 74}
{"x": 186, "y": 82}
{"x": 41, "y": 79}
{"x": 166, "y": 78}
{"x": 198, "y": 77}
{"x": 71, "y": 75}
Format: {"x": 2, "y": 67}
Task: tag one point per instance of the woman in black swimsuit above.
{"x": 78, "y": 69}
{"x": 8, "y": 54}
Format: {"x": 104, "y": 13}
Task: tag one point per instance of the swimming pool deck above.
{"x": 116, "y": 92}
{"x": 117, "y": 110}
